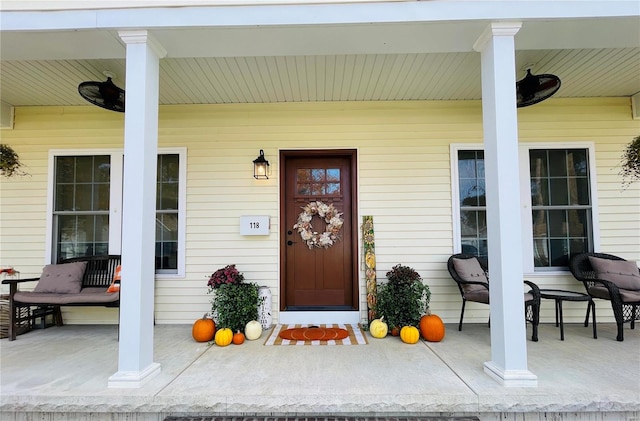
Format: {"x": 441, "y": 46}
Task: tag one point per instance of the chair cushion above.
{"x": 65, "y": 278}
{"x": 470, "y": 270}
{"x": 624, "y": 274}
{"x": 627, "y": 296}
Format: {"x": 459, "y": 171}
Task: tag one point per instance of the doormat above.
{"x": 356, "y": 337}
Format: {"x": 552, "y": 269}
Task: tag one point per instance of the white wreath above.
{"x": 330, "y": 215}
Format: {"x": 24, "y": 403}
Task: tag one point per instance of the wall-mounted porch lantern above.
{"x": 261, "y": 167}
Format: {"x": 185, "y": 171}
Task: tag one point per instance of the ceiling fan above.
{"x": 536, "y": 88}
{"x": 103, "y": 94}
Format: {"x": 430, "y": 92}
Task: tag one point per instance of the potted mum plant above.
{"x": 403, "y": 299}
{"x": 234, "y": 303}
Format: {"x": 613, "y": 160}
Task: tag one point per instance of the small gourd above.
{"x": 203, "y": 329}
{"x": 379, "y": 328}
{"x": 238, "y": 338}
{"x": 223, "y": 337}
{"x": 253, "y": 330}
{"x": 409, "y": 334}
{"x": 432, "y": 328}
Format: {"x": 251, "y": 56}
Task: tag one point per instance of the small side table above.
{"x": 559, "y": 296}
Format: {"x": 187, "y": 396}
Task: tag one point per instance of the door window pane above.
{"x": 318, "y": 182}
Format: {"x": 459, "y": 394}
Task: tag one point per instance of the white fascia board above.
{"x": 315, "y": 14}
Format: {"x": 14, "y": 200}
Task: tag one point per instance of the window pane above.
{"x": 581, "y": 195}
{"x": 83, "y": 197}
{"x": 167, "y": 227}
{"x": 559, "y": 227}
{"x": 64, "y": 197}
{"x": 539, "y": 218}
{"x": 538, "y": 164}
{"x": 168, "y": 168}
{"x": 559, "y": 252}
{"x": 559, "y": 192}
{"x": 167, "y": 241}
{"x": 540, "y": 253}
{"x": 539, "y": 191}
{"x": 81, "y": 235}
{"x": 557, "y": 223}
{"x": 167, "y": 222}
{"x": 469, "y": 223}
{"x": 65, "y": 169}
{"x": 467, "y": 164}
{"x": 84, "y": 169}
{"x": 471, "y": 186}
{"x": 317, "y": 175}
{"x": 102, "y": 169}
{"x": 101, "y": 200}
{"x": 578, "y": 223}
{"x": 333, "y": 174}
{"x": 304, "y": 176}
{"x": 167, "y": 196}
{"x": 304, "y": 189}
{"x": 578, "y": 162}
{"x": 557, "y": 163}
{"x": 333, "y": 188}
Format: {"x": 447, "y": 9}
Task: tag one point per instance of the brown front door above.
{"x": 318, "y": 278}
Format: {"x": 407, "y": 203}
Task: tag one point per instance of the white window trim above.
{"x": 115, "y": 200}
{"x": 525, "y": 197}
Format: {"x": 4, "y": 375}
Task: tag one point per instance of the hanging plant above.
{"x": 630, "y": 171}
{"x": 9, "y": 162}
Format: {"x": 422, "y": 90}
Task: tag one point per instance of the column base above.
{"x": 133, "y": 379}
{"x": 511, "y": 378}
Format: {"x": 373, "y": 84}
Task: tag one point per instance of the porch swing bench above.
{"x": 80, "y": 281}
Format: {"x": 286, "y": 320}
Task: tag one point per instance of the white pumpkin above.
{"x": 253, "y": 330}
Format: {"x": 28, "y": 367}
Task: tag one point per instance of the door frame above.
{"x": 352, "y": 154}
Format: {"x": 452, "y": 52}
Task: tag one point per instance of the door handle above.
{"x": 290, "y": 243}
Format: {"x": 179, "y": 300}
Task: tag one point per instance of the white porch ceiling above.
{"x": 337, "y": 62}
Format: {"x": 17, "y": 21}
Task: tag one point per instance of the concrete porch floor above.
{"x": 62, "y": 372}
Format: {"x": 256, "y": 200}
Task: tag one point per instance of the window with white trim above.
{"x": 558, "y": 190}
{"x": 86, "y": 199}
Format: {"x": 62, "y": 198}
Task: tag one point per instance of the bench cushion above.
{"x": 87, "y": 296}
{"x": 64, "y": 278}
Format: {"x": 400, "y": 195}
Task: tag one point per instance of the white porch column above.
{"x": 135, "y": 353}
{"x": 508, "y": 363}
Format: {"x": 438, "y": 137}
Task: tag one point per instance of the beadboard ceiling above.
{"x": 340, "y": 63}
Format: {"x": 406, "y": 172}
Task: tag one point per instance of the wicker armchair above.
{"x": 624, "y": 302}
{"x": 475, "y": 287}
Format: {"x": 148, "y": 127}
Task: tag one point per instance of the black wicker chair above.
{"x": 625, "y": 303}
{"x": 478, "y": 291}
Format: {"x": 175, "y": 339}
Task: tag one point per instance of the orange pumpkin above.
{"x": 203, "y": 329}
{"x": 238, "y": 338}
{"x": 409, "y": 334}
{"x": 432, "y": 328}
{"x": 223, "y": 337}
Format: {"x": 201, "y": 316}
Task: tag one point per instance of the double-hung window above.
{"x": 86, "y": 206}
{"x": 556, "y": 191}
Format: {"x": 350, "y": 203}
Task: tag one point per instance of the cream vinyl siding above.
{"x": 403, "y": 178}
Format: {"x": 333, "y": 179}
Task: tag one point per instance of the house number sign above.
{"x": 254, "y": 225}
